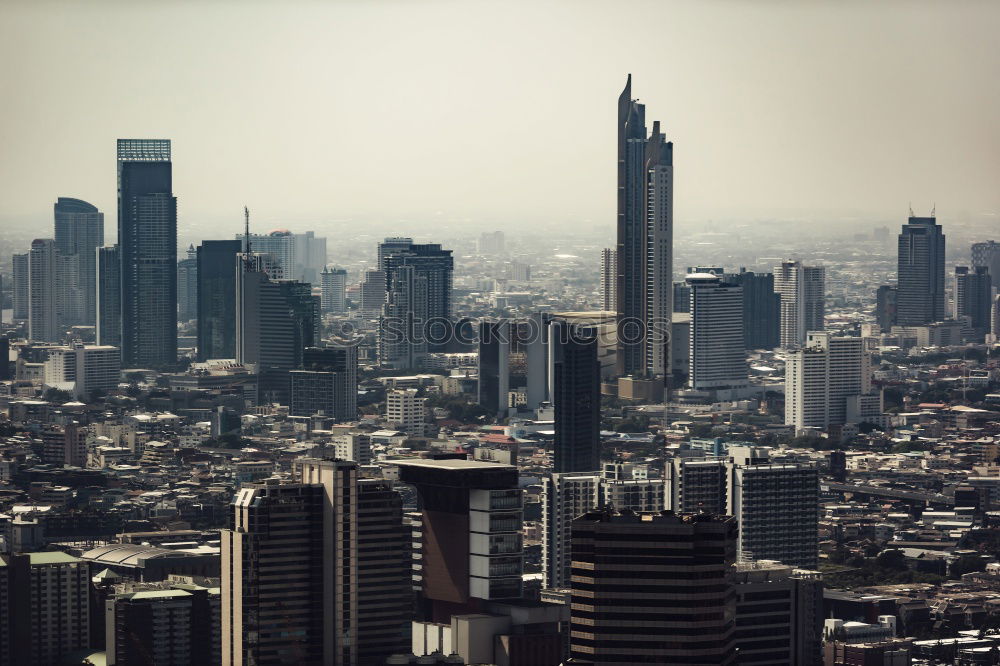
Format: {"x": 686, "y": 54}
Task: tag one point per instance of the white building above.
{"x": 717, "y": 356}
{"x": 821, "y": 377}
{"x": 406, "y": 411}
{"x": 82, "y": 369}
{"x": 803, "y": 303}
{"x": 43, "y": 296}
{"x": 353, "y": 446}
{"x": 334, "y": 285}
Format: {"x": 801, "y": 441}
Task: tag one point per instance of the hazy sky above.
{"x": 503, "y": 112}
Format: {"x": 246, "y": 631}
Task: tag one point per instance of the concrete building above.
{"x": 470, "y": 535}
{"x": 886, "y": 305}
{"x": 717, "y": 357}
{"x": 79, "y": 231}
{"x": 19, "y": 295}
{"x": 987, "y": 255}
{"x": 973, "y": 299}
{"x": 652, "y": 588}
{"x": 564, "y": 497}
{"x": 353, "y": 446}
{"x": 761, "y": 309}
{"x": 920, "y": 272}
{"x": 83, "y": 369}
{"x": 821, "y": 377}
{"x": 327, "y": 384}
{"x": 44, "y": 299}
{"x": 609, "y": 279}
{"x": 216, "y": 298}
{"x": 494, "y": 366}
{"x": 407, "y": 411}
{"x": 803, "y": 300}
{"x": 576, "y": 396}
{"x": 109, "y": 304}
{"x": 187, "y": 286}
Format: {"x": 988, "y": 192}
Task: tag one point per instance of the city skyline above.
{"x": 784, "y": 119}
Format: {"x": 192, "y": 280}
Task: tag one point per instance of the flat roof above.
{"x": 51, "y": 557}
{"x": 455, "y": 464}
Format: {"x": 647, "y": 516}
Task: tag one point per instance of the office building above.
{"x": 697, "y": 485}
{"x": 779, "y": 614}
{"x": 973, "y": 299}
{"x": 417, "y": 312}
{"x": 353, "y": 446}
{"x": 316, "y": 571}
{"x": 158, "y": 624}
{"x": 885, "y": 307}
{"x": 803, "y": 301}
{"x": 761, "y": 309}
{"x": 327, "y": 384}
{"x": 564, "y": 497}
{"x": 187, "y": 286}
{"x": 652, "y": 588}
{"x": 494, "y": 366}
{"x": 109, "y": 310}
{"x": 987, "y": 255}
{"x": 79, "y": 231}
{"x": 333, "y": 283}
{"x": 216, "y": 272}
{"x": 821, "y": 377}
{"x": 576, "y": 397}
{"x": 302, "y": 257}
{"x": 645, "y": 240}
{"x": 920, "y": 272}
{"x": 44, "y": 300}
{"x": 19, "y": 295}
{"x": 717, "y": 357}
{"x": 470, "y": 534}
{"x": 147, "y": 241}
{"x": 609, "y": 279}
{"x": 83, "y": 370}
{"x": 407, "y": 411}
{"x": 276, "y": 320}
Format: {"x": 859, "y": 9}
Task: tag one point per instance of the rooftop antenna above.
{"x": 934, "y": 210}
{"x": 911, "y": 209}
{"x": 247, "y": 261}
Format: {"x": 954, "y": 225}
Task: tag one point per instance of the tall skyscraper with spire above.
{"x": 147, "y": 241}
{"x": 645, "y": 242}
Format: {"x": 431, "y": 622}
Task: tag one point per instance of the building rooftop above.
{"x": 51, "y": 557}
{"x": 454, "y": 464}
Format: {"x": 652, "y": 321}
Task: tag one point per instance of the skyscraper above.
{"x": 609, "y": 279}
{"x": 187, "y": 286}
{"x": 494, "y": 365}
{"x": 920, "y": 272}
{"x": 821, "y": 377}
{"x": 147, "y": 239}
{"x": 44, "y": 321}
{"x": 645, "y": 240}
{"x": 19, "y": 269}
{"x": 216, "y": 272}
{"x": 327, "y": 383}
{"x": 718, "y": 358}
{"x": 652, "y": 588}
{"x": 79, "y": 231}
{"x": 417, "y": 310}
{"x": 973, "y": 292}
{"x": 885, "y": 307}
{"x": 333, "y": 282}
{"x": 109, "y": 291}
{"x": 576, "y": 396}
{"x": 761, "y": 309}
{"x": 803, "y": 300}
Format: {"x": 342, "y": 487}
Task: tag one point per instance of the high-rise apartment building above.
{"x": 761, "y": 309}
{"x": 187, "y": 286}
{"x": 417, "y": 310}
{"x": 987, "y": 255}
{"x": 83, "y": 369}
{"x": 470, "y": 526}
{"x": 372, "y": 292}
{"x": 973, "y": 296}
{"x": 216, "y": 298}
{"x": 147, "y": 241}
{"x": 327, "y": 384}
{"x": 19, "y": 295}
{"x": 652, "y": 588}
{"x": 645, "y": 240}
{"x": 920, "y": 272}
{"x": 109, "y": 302}
{"x": 334, "y": 287}
{"x": 885, "y": 307}
{"x": 79, "y": 231}
{"x": 316, "y": 571}
{"x": 821, "y": 377}
{"x": 609, "y": 279}
{"x": 44, "y": 300}
{"x": 717, "y": 357}
{"x": 803, "y": 300}
{"x": 494, "y": 365}
{"x": 576, "y": 397}
{"x": 406, "y": 410}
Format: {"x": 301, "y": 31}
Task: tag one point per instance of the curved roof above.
{"x": 70, "y": 205}
{"x": 127, "y": 554}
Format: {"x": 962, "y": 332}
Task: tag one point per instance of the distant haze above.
{"x": 503, "y": 113}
